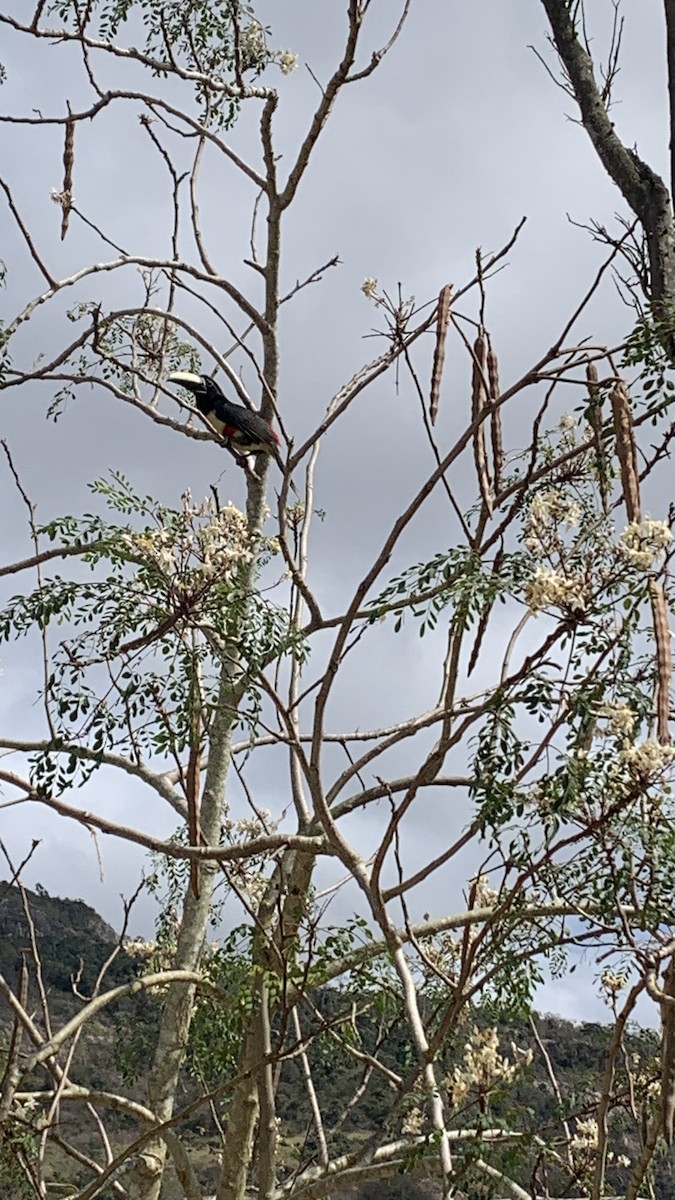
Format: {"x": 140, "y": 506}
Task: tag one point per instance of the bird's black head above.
{"x": 205, "y": 390}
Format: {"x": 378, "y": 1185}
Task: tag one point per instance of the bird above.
{"x": 245, "y": 431}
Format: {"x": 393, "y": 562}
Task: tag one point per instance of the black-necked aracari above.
{"x": 246, "y": 431}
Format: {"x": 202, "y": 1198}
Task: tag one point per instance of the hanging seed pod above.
{"x": 664, "y": 660}
{"x": 439, "y": 350}
{"x": 478, "y": 404}
{"x": 67, "y": 191}
{"x": 485, "y": 615}
{"x": 625, "y": 449}
{"x": 594, "y": 399}
{"x": 495, "y": 421}
{"x": 668, "y": 1053}
{"x": 594, "y": 417}
{"x": 592, "y": 381}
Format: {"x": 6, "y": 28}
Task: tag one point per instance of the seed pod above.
{"x": 625, "y": 449}
{"x": 594, "y": 398}
{"x": 478, "y": 404}
{"x": 664, "y": 660}
{"x": 485, "y": 615}
{"x": 67, "y": 191}
{"x": 495, "y": 421}
{"x": 594, "y": 416}
{"x": 439, "y": 350}
{"x": 668, "y": 1053}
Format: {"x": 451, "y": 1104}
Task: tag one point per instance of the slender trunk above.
{"x": 145, "y": 1182}
{"x": 278, "y": 921}
{"x": 177, "y": 1016}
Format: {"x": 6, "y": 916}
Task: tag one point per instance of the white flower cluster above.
{"x": 154, "y": 956}
{"x": 549, "y": 588}
{"x": 245, "y": 828}
{"x": 64, "y": 199}
{"x": 570, "y": 435}
{"x": 585, "y": 1136}
{"x": 252, "y": 41}
{"x": 613, "y": 982}
{"x": 223, "y": 541}
{"x": 211, "y": 541}
{"x": 251, "y": 876}
{"x": 484, "y": 896}
{"x": 253, "y": 827}
{"x": 483, "y": 1067}
{"x": 549, "y": 511}
{"x": 620, "y": 719}
{"x": 27, "y": 1110}
{"x": 369, "y": 288}
{"x": 643, "y": 543}
{"x": 442, "y": 952}
{"x": 413, "y": 1123}
{"x": 648, "y": 759}
{"x": 288, "y": 61}
{"x": 139, "y": 948}
{"x": 154, "y": 544}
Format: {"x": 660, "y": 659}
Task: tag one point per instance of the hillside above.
{"x": 73, "y": 942}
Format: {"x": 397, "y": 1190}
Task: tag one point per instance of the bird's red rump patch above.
{"x": 228, "y": 430}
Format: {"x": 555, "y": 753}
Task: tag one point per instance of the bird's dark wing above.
{"x": 249, "y": 427}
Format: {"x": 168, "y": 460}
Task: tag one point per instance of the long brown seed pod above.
{"x": 593, "y": 390}
{"x": 594, "y": 414}
{"x": 67, "y": 191}
{"x": 668, "y": 1053}
{"x": 625, "y": 449}
{"x": 664, "y": 660}
{"x": 485, "y": 616}
{"x": 439, "y": 350}
{"x": 478, "y": 403}
{"x": 495, "y": 420}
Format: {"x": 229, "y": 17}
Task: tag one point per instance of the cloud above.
{"x": 458, "y": 135}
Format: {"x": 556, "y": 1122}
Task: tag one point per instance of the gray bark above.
{"x": 641, "y": 187}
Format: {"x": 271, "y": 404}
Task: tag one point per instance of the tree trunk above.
{"x": 641, "y": 187}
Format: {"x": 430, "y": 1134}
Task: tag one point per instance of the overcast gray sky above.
{"x": 458, "y": 135}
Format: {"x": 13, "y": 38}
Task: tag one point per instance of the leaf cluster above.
{"x": 202, "y": 39}
{"x": 154, "y": 609}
